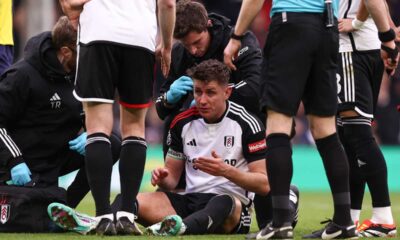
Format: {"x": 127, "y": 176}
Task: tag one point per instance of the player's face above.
{"x": 196, "y": 43}
{"x": 211, "y": 99}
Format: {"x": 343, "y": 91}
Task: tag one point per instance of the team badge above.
{"x": 229, "y": 141}
{"x": 4, "y": 210}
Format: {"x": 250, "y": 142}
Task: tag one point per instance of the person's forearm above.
{"x": 166, "y": 19}
{"x": 391, "y": 23}
{"x": 362, "y": 12}
{"x": 378, "y": 11}
{"x": 248, "y": 12}
{"x": 251, "y": 181}
{"x": 169, "y": 183}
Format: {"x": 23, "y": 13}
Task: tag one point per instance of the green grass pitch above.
{"x": 314, "y": 207}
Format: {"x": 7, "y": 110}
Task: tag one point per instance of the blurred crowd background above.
{"x": 34, "y": 16}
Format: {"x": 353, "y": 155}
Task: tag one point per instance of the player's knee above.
{"x": 357, "y": 131}
{"x": 224, "y": 202}
{"x": 358, "y": 134}
{"x": 322, "y": 127}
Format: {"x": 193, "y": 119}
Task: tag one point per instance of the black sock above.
{"x": 78, "y": 189}
{"x": 357, "y": 177}
{"x": 131, "y": 168}
{"x": 280, "y": 170}
{"x": 99, "y": 168}
{"x": 337, "y": 171}
{"x": 378, "y": 187}
{"x": 370, "y": 164}
{"x": 117, "y": 204}
{"x": 263, "y": 209}
{"x": 211, "y": 218}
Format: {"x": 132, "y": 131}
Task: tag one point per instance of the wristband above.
{"x": 164, "y": 100}
{"x": 357, "y": 24}
{"x": 387, "y": 36}
{"x": 236, "y": 37}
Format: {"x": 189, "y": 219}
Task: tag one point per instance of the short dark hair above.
{"x": 190, "y": 16}
{"x": 63, "y": 33}
{"x": 210, "y": 70}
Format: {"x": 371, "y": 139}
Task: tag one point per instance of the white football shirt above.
{"x": 130, "y": 22}
{"x": 239, "y": 138}
{"x": 364, "y": 39}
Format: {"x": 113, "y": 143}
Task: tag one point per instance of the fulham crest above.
{"x": 229, "y": 141}
{"x": 4, "y": 210}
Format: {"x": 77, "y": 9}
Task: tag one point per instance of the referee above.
{"x": 300, "y": 63}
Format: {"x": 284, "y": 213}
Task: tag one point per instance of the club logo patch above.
{"x": 4, "y": 210}
{"x": 229, "y": 141}
{"x": 257, "y": 146}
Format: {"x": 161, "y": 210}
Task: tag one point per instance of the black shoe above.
{"x": 106, "y": 227}
{"x": 269, "y": 232}
{"x": 294, "y": 197}
{"x": 125, "y": 227}
{"x": 334, "y": 231}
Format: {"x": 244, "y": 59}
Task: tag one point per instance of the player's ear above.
{"x": 228, "y": 91}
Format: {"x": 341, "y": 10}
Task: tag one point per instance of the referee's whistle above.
{"x": 329, "y": 14}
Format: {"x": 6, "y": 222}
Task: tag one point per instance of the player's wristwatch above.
{"x": 164, "y": 101}
{"x": 236, "y": 37}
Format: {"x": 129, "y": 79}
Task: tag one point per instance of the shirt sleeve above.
{"x": 246, "y": 90}
{"x": 254, "y": 144}
{"x": 14, "y": 92}
{"x": 174, "y": 142}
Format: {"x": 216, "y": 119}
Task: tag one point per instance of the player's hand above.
{"x": 213, "y": 165}
{"x": 163, "y": 54}
{"x": 20, "y": 174}
{"x": 345, "y": 25}
{"x": 231, "y": 52}
{"x": 73, "y": 8}
{"x": 78, "y": 144}
{"x": 157, "y": 175}
{"x": 178, "y": 89}
{"x": 390, "y": 56}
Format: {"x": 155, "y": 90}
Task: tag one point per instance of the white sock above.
{"x": 129, "y": 215}
{"x": 355, "y": 215}
{"x": 382, "y": 215}
{"x": 109, "y": 216}
{"x": 183, "y": 229}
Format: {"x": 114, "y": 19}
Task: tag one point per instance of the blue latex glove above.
{"x": 78, "y": 144}
{"x": 20, "y": 174}
{"x": 193, "y": 103}
{"x": 178, "y": 89}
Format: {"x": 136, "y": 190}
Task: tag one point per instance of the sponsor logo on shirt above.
{"x": 257, "y": 146}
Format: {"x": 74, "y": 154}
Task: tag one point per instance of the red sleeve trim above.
{"x": 190, "y": 112}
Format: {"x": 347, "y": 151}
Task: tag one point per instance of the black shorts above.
{"x": 104, "y": 67}
{"x": 359, "y": 79}
{"x": 300, "y": 63}
{"x": 187, "y": 204}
